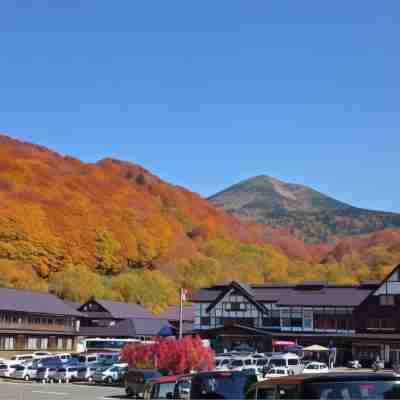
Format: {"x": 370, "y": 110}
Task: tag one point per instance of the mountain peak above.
{"x": 312, "y": 215}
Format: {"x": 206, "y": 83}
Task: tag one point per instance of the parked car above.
{"x": 217, "y": 385}
{"x": 66, "y": 373}
{"x": 37, "y": 355}
{"x": 349, "y": 386}
{"x": 7, "y": 369}
{"x": 354, "y": 364}
{"x": 86, "y": 372}
{"x": 135, "y": 380}
{"x": 222, "y": 363}
{"x": 315, "y": 368}
{"x": 26, "y": 372}
{"x": 160, "y": 388}
{"x": 290, "y": 361}
{"x": 241, "y": 363}
{"x": 47, "y": 374}
{"x": 277, "y": 372}
{"x": 64, "y": 357}
{"x": 89, "y": 359}
{"x": 261, "y": 365}
{"x": 111, "y": 375}
{"x": 22, "y": 357}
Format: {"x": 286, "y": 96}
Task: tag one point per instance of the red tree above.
{"x": 174, "y": 356}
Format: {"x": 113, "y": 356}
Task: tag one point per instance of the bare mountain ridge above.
{"x": 309, "y": 214}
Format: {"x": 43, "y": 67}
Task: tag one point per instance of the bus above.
{"x": 99, "y": 345}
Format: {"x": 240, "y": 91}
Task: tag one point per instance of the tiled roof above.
{"x": 34, "y": 302}
{"x": 72, "y": 304}
{"x": 130, "y": 328}
{"x": 172, "y": 313}
{"x": 306, "y": 294}
{"x": 121, "y": 310}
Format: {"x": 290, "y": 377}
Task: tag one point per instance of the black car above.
{"x": 337, "y": 386}
{"x": 136, "y": 379}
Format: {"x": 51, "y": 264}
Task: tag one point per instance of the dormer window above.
{"x": 386, "y": 300}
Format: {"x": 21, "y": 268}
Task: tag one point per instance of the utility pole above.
{"x": 181, "y": 314}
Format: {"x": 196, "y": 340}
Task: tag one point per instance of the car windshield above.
{"x": 312, "y": 366}
{"x": 261, "y": 362}
{"x": 3, "y": 367}
{"x": 221, "y": 386}
{"x": 278, "y": 362}
{"x": 353, "y": 390}
{"x": 20, "y": 368}
{"x": 237, "y": 363}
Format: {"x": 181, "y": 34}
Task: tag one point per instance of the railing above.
{"x": 37, "y": 327}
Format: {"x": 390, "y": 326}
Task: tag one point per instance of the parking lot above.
{"x": 36, "y": 391}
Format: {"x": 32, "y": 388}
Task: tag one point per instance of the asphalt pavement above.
{"x": 38, "y": 391}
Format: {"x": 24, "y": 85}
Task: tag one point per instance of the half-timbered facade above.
{"x": 361, "y": 320}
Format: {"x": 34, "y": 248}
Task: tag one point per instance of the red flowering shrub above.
{"x": 174, "y": 356}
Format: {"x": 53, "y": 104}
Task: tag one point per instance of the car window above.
{"x": 293, "y": 362}
{"x": 164, "y": 389}
{"x": 91, "y": 359}
{"x": 248, "y": 362}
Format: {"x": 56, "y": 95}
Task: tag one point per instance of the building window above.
{"x": 205, "y": 321}
{"x": 32, "y": 343}
{"x": 44, "y": 344}
{"x": 7, "y": 343}
{"x": 381, "y": 324}
{"x": 386, "y": 300}
{"x": 69, "y": 344}
{"x": 60, "y": 344}
{"x": 308, "y": 319}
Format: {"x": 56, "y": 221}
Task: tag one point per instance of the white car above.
{"x": 66, "y": 374}
{"x": 110, "y": 375}
{"x": 24, "y": 371}
{"x": 242, "y": 363}
{"x": 22, "y": 358}
{"x": 277, "y": 373}
{"x": 6, "y": 370}
{"x": 315, "y": 368}
{"x": 41, "y": 354}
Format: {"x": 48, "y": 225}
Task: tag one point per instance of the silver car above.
{"x": 66, "y": 374}
{"x": 46, "y": 374}
{"x": 86, "y": 373}
{"x": 25, "y": 372}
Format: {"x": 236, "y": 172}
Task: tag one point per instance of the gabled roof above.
{"x": 244, "y": 290}
{"x": 131, "y": 327}
{"x": 72, "y": 304}
{"x": 120, "y": 310}
{"x": 34, "y": 302}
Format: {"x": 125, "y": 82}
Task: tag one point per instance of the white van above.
{"x": 290, "y": 361}
{"x": 22, "y": 358}
{"x": 241, "y": 363}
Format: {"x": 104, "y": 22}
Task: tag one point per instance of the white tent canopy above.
{"x": 315, "y": 348}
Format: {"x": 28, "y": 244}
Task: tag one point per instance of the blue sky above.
{"x": 207, "y": 93}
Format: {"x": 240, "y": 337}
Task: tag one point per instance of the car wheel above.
{"x": 109, "y": 380}
{"x": 27, "y": 378}
{"x": 51, "y": 380}
{"x": 90, "y": 379}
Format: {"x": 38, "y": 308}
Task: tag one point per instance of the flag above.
{"x": 184, "y": 294}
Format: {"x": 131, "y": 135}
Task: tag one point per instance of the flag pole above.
{"x": 181, "y": 315}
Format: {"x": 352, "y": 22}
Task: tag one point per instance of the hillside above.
{"x": 55, "y": 210}
{"x": 114, "y": 230}
{"x": 305, "y": 212}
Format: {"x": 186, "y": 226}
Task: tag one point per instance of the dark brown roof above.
{"x": 129, "y": 328}
{"x": 119, "y": 310}
{"x": 306, "y": 294}
{"x": 34, "y": 302}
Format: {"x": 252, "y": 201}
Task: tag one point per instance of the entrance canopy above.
{"x": 315, "y": 348}
{"x": 283, "y": 343}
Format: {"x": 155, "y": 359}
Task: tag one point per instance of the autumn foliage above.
{"x": 170, "y": 355}
{"x": 114, "y": 230}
